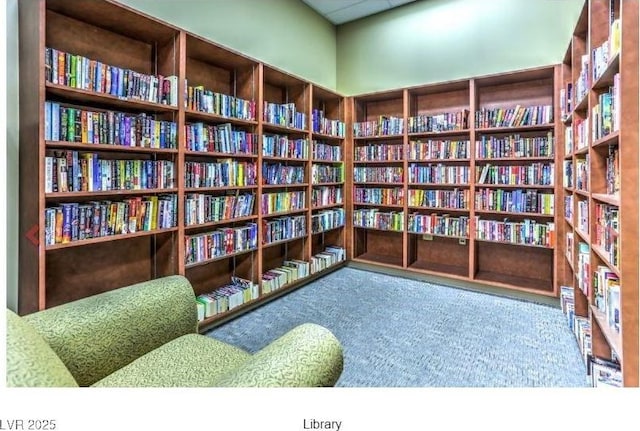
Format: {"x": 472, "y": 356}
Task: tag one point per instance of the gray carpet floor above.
{"x": 400, "y": 332}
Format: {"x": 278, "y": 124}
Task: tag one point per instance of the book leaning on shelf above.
{"x": 240, "y": 291}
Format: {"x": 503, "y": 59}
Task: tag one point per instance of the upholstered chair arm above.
{"x": 307, "y": 356}
{"x": 100, "y": 334}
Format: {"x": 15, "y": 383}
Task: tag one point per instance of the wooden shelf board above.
{"x": 583, "y": 235}
{"x": 610, "y": 139}
{"x": 217, "y": 189}
{"x": 276, "y": 128}
{"x": 217, "y": 258}
{"x": 604, "y": 256}
{"x": 107, "y": 238}
{"x": 514, "y": 159}
{"x": 380, "y": 259}
{"x": 440, "y": 269}
{"x": 284, "y": 186}
{"x": 284, "y": 159}
{"x": 317, "y": 135}
{"x": 613, "y": 338}
{"x": 608, "y": 199}
{"x": 583, "y": 104}
{"x": 436, "y": 134}
{"x": 509, "y": 213}
{"x": 72, "y": 195}
{"x": 83, "y": 146}
{"x": 466, "y": 238}
{"x": 373, "y": 162}
{"x": 542, "y": 287}
{"x": 284, "y": 213}
{"x": 513, "y": 186}
{"x": 220, "y": 155}
{"x": 455, "y": 185}
{"x": 377, "y": 137}
{"x": 581, "y": 151}
{"x": 84, "y": 97}
{"x": 570, "y": 262}
{"x": 378, "y": 183}
{"x": 378, "y": 205}
{"x": 438, "y": 160}
{"x": 517, "y": 129}
{"x": 283, "y": 241}
{"x": 516, "y": 245}
{"x": 327, "y": 230}
{"x": 376, "y": 229}
{"x": 606, "y": 79}
{"x": 331, "y": 162}
{"x": 220, "y": 222}
{"x": 341, "y": 183}
{"x": 216, "y": 118}
{"x": 324, "y": 207}
{"x": 583, "y": 193}
{"x": 441, "y": 209}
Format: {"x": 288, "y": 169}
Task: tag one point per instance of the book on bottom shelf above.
{"x": 603, "y": 373}
{"x": 226, "y": 298}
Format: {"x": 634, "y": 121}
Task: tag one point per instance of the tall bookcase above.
{"x": 600, "y": 119}
{"x": 473, "y": 165}
{"x": 147, "y": 151}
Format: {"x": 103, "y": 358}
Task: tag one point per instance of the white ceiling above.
{"x": 341, "y": 11}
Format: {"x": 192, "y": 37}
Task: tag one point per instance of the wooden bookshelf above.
{"x": 612, "y": 74}
{"x": 442, "y": 163}
{"x": 210, "y": 156}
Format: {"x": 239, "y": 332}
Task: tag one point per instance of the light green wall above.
{"x": 12, "y": 153}
{"x": 286, "y": 34}
{"x": 441, "y": 40}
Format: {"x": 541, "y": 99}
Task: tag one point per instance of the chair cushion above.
{"x": 31, "y": 362}
{"x": 192, "y": 360}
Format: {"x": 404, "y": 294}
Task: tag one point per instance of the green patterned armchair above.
{"x": 146, "y": 335}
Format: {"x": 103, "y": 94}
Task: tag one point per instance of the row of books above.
{"x": 582, "y": 210}
{"x": 80, "y": 72}
{"x": 600, "y": 372}
{"x": 327, "y": 219}
{"x": 203, "y": 100}
{"x": 278, "y": 173}
{"x": 326, "y": 126}
{"x": 583, "y": 83}
{"x": 445, "y": 199}
{"x": 69, "y": 222}
{"x": 567, "y": 174}
{"x": 514, "y": 117}
{"x": 568, "y": 207}
{"x": 518, "y": 201}
{"x": 607, "y": 231}
{"x": 439, "y": 224}
{"x": 568, "y": 140}
{"x": 376, "y": 219}
{"x": 582, "y": 173}
{"x": 220, "y": 138}
{"x": 583, "y": 270}
{"x": 438, "y": 149}
{"x": 525, "y": 232}
{"x": 271, "y": 203}
{"x": 378, "y": 196}
{"x": 326, "y": 152}
{"x": 327, "y": 174}
{"x": 331, "y": 255}
{"x": 326, "y": 195}
{"x": 602, "y": 55}
{"x": 284, "y": 228}
{"x": 581, "y": 133}
{"x": 72, "y": 124}
{"x": 221, "y": 242}
{"x": 285, "y": 115}
{"x": 225, "y": 298}
{"x": 605, "y": 115}
{"x": 612, "y": 173}
{"x": 289, "y": 272}
{"x": 72, "y": 171}
{"x": 200, "y": 208}
{"x": 538, "y": 174}
{"x": 382, "y": 126}
{"x": 378, "y": 152}
{"x": 438, "y": 173}
{"x": 283, "y": 146}
{"x": 606, "y": 292}
{"x": 489, "y": 147}
{"x": 441, "y": 122}
{"x": 223, "y": 173}
{"x": 387, "y": 174}
{"x": 566, "y": 101}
